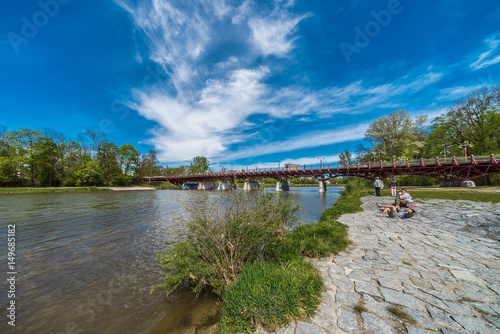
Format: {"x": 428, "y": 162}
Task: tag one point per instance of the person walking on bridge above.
{"x": 378, "y": 184}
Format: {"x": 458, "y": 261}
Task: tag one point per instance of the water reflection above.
{"x": 86, "y": 261}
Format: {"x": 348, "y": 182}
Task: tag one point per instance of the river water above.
{"x": 86, "y": 262}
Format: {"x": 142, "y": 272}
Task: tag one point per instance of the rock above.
{"x": 347, "y": 321}
{"x": 376, "y": 325}
{"x": 400, "y": 298}
{"x": 307, "y": 328}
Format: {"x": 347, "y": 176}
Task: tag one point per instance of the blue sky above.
{"x": 240, "y": 82}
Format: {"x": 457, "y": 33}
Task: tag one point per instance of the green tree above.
{"x": 474, "y": 118}
{"x": 6, "y": 171}
{"x": 345, "y": 157}
{"x": 25, "y": 141}
{"x": 397, "y": 135}
{"x": 89, "y": 174}
{"x": 129, "y": 158}
{"x": 107, "y": 156}
{"x": 174, "y": 170}
{"x": 199, "y": 164}
{"x": 46, "y": 159}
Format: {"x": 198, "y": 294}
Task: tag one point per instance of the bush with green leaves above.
{"x": 89, "y": 174}
{"x": 221, "y": 236}
{"x": 122, "y": 180}
{"x": 356, "y": 184}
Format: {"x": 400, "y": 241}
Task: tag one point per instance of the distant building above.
{"x": 292, "y": 166}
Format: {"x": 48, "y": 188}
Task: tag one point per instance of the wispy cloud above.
{"x": 203, "y": 126}
{"x": 354, "y": 98}
{"x": 308, "y": 140}
{"x": 177, "y": 34}
{"x": 490, "y": 56}
{"x": 457, "y": 92}
{"x": 205, "y": 106}
{"x": 273, "y": 35}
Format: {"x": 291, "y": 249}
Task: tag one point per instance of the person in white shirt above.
{"x": 403, "y": 199}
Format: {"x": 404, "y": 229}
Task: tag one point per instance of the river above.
{"x": 86, "y": 262}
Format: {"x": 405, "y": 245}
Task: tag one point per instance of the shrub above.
{"x": 355, "y": 185}
{"x": 272, "y": 295}
{"x": 122, "y": 180}
{"x": 222, "y": 236}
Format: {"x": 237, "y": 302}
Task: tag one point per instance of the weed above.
{"x": 398, "y": 312}
{"x": 360, "y": 307}
{"x": 408, "y": 263}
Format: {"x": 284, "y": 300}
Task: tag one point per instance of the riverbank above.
{"x": 436, "y": 272}
{"x": 21, "y": 190}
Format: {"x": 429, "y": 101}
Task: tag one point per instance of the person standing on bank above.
{"x": 393, "y": 184}
{"x": 377, "y": 184}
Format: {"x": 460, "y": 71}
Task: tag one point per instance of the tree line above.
{"x": 47, "y": 158}
{"x": 473, "y": 119}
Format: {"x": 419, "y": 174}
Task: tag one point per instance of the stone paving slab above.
{"x": 441, "y": 267}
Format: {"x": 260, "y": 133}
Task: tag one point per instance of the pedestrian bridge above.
{"x": 454, "y": 168}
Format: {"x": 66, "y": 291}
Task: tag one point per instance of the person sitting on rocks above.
{"x": 393, "y": 211}
{"x": 403, "y": 198}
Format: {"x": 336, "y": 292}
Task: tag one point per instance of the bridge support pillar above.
{"x": 206, "y": 186}
{"x": 322, "y": 186}
{"x": 226, "y": 186}
{"x": 282, "y": 186}
{"x": 251, "y": 186}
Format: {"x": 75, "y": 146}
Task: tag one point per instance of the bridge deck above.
{"x": 455, "y": 168}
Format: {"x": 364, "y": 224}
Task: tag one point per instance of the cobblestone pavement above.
{"x": 441, "y": 267}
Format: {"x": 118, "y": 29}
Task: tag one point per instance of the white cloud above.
{"x": 304, "y": 141}
{"x": 488, "y": 57}
{"x": 176, "y": 37}
{"x": 204, "y": 126}
{"x": 273, "y": 35}
{"x": 210, "y": 108}
{"x": 242, "y": 12}
{"x": 453, "y": 93}
{"x": 214, "y": 120}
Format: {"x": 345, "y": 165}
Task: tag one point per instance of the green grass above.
{"x": 327, "y": 236}
{"x": 25, "y": 190}
{"x": 479, "y": 194}
{"x": 160, "y": 185}
{"x": 320, "y": 239}
{"x": 272, "y": 295}
{"x": 468, "y": 194}
{"x": 398, "y": 312}
{"x": 360, "y": 308}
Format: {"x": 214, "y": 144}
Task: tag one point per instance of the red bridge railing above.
{"x": 449, "y": 167}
